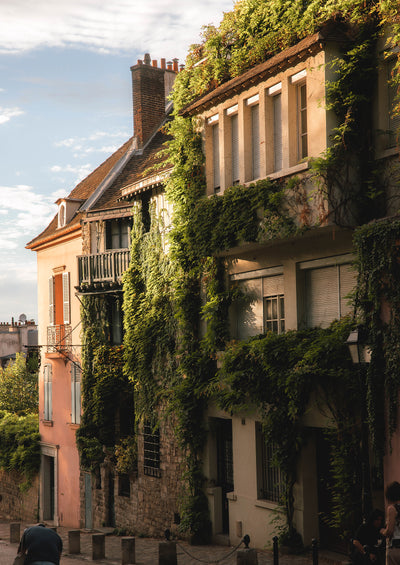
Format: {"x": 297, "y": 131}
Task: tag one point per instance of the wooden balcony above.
{"x": 59, "y": 340}
{"x": 102, "y": 270}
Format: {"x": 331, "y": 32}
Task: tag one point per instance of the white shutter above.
{"x": 48, "y": 404}
{"x": 322, "y": 296}
{"x": 273, "y": 285}
{"x": 75, "y": 394}
{"x": 215, "y": 135}
{"x": 235, "y": 148}
{"x": 277, "y": 108}
{"x": 51, "y": 301}
{"x": 250, "y": 310}
{"x": 255, "y": 141}
{"x": 66, "y": 298}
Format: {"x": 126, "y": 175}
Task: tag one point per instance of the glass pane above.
{"x": 274, "y": 308}
{"x": 282, "y": 306}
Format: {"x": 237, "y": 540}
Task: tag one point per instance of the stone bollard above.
{"x": 128, "y": 550}
{"x": 74, "y": 541}
{"x": 98, "y": 546}
{"x": 247, "y": 557}
{"x": 167, "y": 553}
{"x": 15, "y": 532}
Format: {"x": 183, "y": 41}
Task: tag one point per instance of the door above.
{"x": 111, "y": 500}
{"x": 48, "y": 487}
{"x": 224, "y": 466}
{"x": 88, "y": 502}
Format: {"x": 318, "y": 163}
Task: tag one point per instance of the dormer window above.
{"x": 61, "y": 215}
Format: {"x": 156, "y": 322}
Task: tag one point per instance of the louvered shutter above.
{"x": 255, "y": 140}
{"x": 322, "y": 296}
{"x": 66, "y": 299}
{"x": 51, "y": 301}
{"x": 394, "y": 119}
{"x": 235, "y": 149}
{"x": 277, "y": 109}
{"x": 75, "y": 394}
{"x": 48, "y": 405}
{"x": 347, "y": 282}
{"x": 250, "y": 309}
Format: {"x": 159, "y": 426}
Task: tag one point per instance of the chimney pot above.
{"x": 169, "y": 66}
{"x": 181, "y": 67}
{"x": 175, "y": 65}
{"x": 147, "y": 59}
{"x": 154, "y": 63}
{"x": 139, "y": 62}
{"x": 163, "y": 64}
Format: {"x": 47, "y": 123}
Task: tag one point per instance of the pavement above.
{"x": 147, "y": 551}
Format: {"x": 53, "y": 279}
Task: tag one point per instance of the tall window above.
{"x": 277, "y": 114}
{"x": 151, "y": 443}
{"x": 302, "y": 120}
{"x": 394, "y": 119}
{"x": 216, "y": 164}
{"x": 59, "y": 299}
{"x": 116, "y": 315}
{"x": 269, "y": 477}
{"x": 75, "y": 394}
{"x": 274, "y": 304}
{"x": 235, "y": 148}
{"x": 255, "y": 141}
{"x": 48, "y": 393}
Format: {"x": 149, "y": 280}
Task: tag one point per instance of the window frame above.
{"x": 76, "y": 373}
{"x": 151, "y": 451}
{"x": 270, "y": 478}
{"x": 48, "y": 392}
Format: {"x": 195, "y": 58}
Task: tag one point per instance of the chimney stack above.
{"x": 151, "y": 86}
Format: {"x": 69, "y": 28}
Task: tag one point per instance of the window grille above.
{"x": 271, "y": 485}
{"x": 151, "y": 441}
{"x": 274, "y": 314}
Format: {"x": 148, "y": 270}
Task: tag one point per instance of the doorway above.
{"x": 223, "y": 429}
{"x": 48, "y": 485}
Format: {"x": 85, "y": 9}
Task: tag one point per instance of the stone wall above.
{"x": 17, "y": 505}
{"x": 152, "y": 505}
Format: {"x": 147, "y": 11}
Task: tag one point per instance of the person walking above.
{"x": 40, "y": 546}
{"x": 392, "y": 529}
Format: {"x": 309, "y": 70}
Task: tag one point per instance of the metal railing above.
{"x": 59, "y": 338}
{"x": 106, "y": 267}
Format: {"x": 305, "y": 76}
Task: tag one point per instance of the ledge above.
{"x": 47, "y": 423}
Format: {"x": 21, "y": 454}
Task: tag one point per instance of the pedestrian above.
{"x": 368, "y": 540}
{"x": 392, "y": 529}
{"x": 40, "y": 546}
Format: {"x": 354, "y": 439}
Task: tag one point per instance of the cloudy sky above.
{"x": 65, "y": 105}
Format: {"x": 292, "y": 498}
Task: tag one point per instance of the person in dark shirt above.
{"x": 366, "y": 542}
{"x": 41, "y": 546}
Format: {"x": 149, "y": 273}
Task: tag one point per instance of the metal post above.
{"x": 275, "y": 550}
{"x": 314, "y": 545}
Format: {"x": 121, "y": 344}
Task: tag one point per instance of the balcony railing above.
{"x": 59, "y": 338}
{"x": 106, "y": 267}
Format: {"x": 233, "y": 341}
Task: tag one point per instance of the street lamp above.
{"x": 361, "y": 356}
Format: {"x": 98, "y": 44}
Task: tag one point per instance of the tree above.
{"x": 19, "y": 387}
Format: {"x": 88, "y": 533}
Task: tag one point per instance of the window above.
{"x": 235, "y": 148}
{"x": 302, "y": 120}
{"x": 277, "y": 124}
{"x": 216, "y": 171}
{"x": 118, "y": 233}
{"x": 393, "y": 119}
{"x": 270, "y": 483}
{"x": 48, "y": 394}
{"x": 255, "y": 141}
{"x": 326, "y": 289}
{"x": 58, "y": 331}
{"x": 75, "y": 393}
{"x": 151, "y": 443}
{"x": 116, "y": 314}
{"x": 274, "y": 314}
{"x": 124, "y": 485}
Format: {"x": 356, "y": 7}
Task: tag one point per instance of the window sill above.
{"x": 385, "y": 153}
{"x": 73, "y": 426}
{"x": 231, "y": 496}
{"x": 48, "y": 423}
{"x": 268, "y": 505}
{"x": 290, "y": 171}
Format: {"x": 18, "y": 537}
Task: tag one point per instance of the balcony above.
{"x": 102, "y": 270}
{"x": 59, "y": 340}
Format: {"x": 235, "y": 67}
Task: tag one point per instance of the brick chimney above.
{"x": 150, "y": 87}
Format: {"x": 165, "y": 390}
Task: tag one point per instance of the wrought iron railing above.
{"x": 106, "y": 267}
{"x": 59, "y": 338}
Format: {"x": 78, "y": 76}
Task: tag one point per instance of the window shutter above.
{"x": 347, "y": 282}
{"x": 322, "y": 296}
{"x": 235, "y": 149}
{"x": 302, "y": 120}
{"x": 51, "y": 301}
{"x": 48, "y": 408}
{"x": 277, "y": 109}
{"x": 215, "y": 134}
{"x": 75, "y": 394}
{"x": 273, "y": 285}
{"x": 255, "y": 140}
{"x": 66, "y": 298}
{"x": 394, "y": 120}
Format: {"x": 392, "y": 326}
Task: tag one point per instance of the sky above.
{"x": 66, "y": 105}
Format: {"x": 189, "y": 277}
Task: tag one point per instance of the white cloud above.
{"x": 166, "y": 27}
{"x": 7, "y": 113}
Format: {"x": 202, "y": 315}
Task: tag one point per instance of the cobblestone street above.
{"x": 147, "y": 551}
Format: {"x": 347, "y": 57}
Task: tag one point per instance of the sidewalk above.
{"x": 147, "y": 551}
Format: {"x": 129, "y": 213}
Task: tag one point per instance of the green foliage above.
{"x": 19, "y": 387}
{"x": 20, "y": 445}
